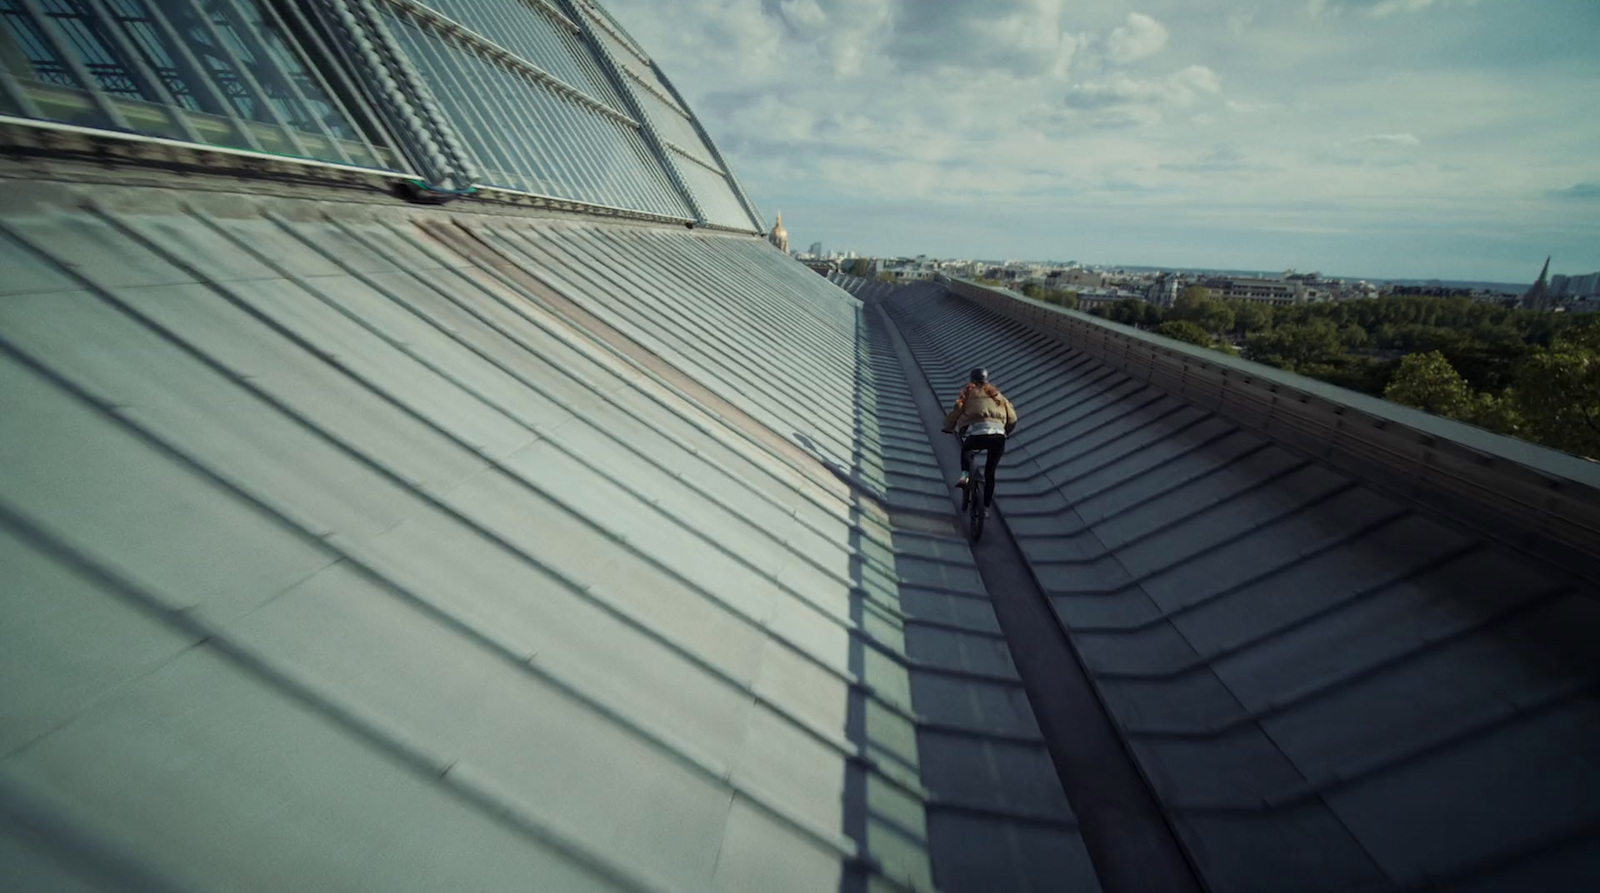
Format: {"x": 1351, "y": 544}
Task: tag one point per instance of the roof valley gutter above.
{"x": 1132, "y": 845}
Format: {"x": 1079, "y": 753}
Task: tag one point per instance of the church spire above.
{"x": 1537, "y": 297}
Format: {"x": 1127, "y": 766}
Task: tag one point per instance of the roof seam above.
{"x": 663, "y": 741}
{"x": 644, "y": 371}
{"x": 577, "y": 512}
{"x": 802, "y": 554}
{"x": 584, "y": 347}
{"x": 584, "y": 591}
{"x": 261, "y": 668}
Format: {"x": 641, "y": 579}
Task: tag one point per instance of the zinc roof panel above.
{"x": 323, "y": 393}
{"x": 102, "y": 253}
{"x": 1464, "y": 684}
{"x": 450, "y": 696}
{"x": 181, "y": 400}
{"x": 979, "y": 855}
{"x": 100, "y": 487}
{"x": 1509, "y": 789}
{"x": 760, "y": 854}
{"x": 642, "y": 670}
{"x": 31, "y": 865}
{"x": 155, "y": 772}
{"x": 64, "y": 645}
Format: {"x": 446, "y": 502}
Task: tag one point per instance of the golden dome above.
{"x": 779, "y": 236}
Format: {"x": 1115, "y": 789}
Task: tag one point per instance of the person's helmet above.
{"x": 980, "y": 375}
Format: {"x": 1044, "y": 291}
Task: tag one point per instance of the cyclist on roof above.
{"x": 987, "y": 418}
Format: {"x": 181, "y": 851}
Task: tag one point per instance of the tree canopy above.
{"x": 1534, "y": 375}
{"x": 1197, "y": 306}
{"x": 1062, "y": 297}
{"x": 1184, "y": 330}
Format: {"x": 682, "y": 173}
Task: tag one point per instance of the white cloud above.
{"x": 1579, "y": 191}
{"x": 1385, "y": 139}
{"x": 1223, "y": 158}
{"x": 776, "y": 119}
{"x": 1025, "y": 38}
{"x": 1140, "y": 38}
{"x": 804, "y": 15}
{"x": 1378, "y": 8}
{"x": 840, "y": 110}
{"x": 1194, "y": 79}
{"x": 1179, "y": 88}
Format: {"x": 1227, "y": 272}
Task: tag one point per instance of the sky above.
{"x": 1450, "y": 139}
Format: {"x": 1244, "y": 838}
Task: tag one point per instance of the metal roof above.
{"x": 357, "y": 546}
{"x": 1328, "y": 687}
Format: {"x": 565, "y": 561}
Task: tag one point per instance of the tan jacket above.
{"x": 980, "y": 402}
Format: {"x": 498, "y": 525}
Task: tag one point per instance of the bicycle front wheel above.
{"x": 975, "y": 509}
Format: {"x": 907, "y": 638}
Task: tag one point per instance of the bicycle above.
{"x": 972, "y": 493}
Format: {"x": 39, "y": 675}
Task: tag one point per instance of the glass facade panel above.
{"x": 525, "y": 136}
{"x": 533, "y": 35}
{"x": 111, "y": 73}
{"x": 673, "y": 125}
{"x": 715, "y": 195}
{"x": 145, "y": 36}
{"x": 28, "y": 52}
{"x": 220, "y": 72}
{"x": 628, "y": 60}
{"x": 530, "y": 103}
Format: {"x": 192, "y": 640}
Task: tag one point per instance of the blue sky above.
{"x": 1457, "y": 139}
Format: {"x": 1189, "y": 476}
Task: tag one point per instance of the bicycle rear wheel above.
{"x": 975, "y": 506}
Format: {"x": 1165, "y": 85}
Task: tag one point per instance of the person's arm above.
{"x": 1011, "y": 418}
{"x": 954, "y": 415}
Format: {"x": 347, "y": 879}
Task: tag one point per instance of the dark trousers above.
{"x": 996, "y": 446}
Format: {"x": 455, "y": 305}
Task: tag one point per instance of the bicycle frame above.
{"x": 972, "y": 495}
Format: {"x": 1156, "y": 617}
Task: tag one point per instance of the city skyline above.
{"x": 1403, "y": 139}
{"x": 1092, "y": 264}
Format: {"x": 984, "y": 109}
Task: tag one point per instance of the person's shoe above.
{"x": 963, "y": 480}
{"x": 986, "y": 513}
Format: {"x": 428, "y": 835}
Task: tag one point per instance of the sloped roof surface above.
{"x": 1328, "y": 688}
{"x": 361, "y": 547}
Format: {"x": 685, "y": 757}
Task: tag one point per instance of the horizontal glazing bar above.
{"x": 439, "y": 23}
{"x": 135, "y": 138}
{"x": 556, "y": 15}
{"x": 694, "y": 158}
{"x": 606, "y": 26}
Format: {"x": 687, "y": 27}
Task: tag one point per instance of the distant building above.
{"x": 913, "y": 269}
{"x": 1358, "y": 291}
{"x": 1089, "y": 298}
{"x": 1078, "y": 277}
{"x": 816, "y": 249}
{"x": 1163, "y": 290}
{"x": 1277, "y": 292}
{"x": 1575, "y": 287}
